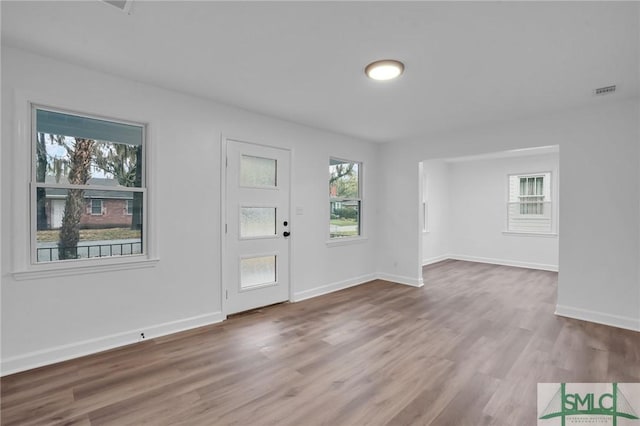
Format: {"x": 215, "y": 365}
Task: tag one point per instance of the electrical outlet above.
{"x": 141, "y": 337}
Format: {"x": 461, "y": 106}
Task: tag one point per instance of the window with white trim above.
{"x": 345, "y": 198}
{"x": 96, "y": 207}
{"x": 529, "y": 207}
{"x": 128, "y": 208}
{"x": 78, "y": 162}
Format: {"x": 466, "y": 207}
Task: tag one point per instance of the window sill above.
{"x": 51, "y": 271}
{"x": 530, "y": 234}
{"x": 345, "y": 241}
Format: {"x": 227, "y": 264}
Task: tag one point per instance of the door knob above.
{"x": 286, "y": 233}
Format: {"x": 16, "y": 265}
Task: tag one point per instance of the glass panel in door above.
{"x": 257, "y": 171}
{"x": 257, "y": 271}
{"x": 257, "y": 222}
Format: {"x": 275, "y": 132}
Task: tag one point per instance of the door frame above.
{"x": 224, "y": 265}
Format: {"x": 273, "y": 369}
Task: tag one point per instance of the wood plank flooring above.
{"x": 467, "y": 349}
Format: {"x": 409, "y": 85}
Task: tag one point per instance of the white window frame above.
{"x": 522, "y": 197}
{"x": 24, "y": 222}
{"x": 548, "y": 200}
{"x": 331, "y": 241}
{"x": 35, "y": 185}
{"x": 101, "y": 207}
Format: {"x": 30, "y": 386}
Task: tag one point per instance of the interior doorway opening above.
{"x": 499, "y": 208}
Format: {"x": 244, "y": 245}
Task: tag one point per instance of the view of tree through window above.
{"x": 345, "y": 198}
{"x": 89, "y": 187}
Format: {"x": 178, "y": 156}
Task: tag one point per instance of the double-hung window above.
{"x": 96, "y": 207}
{"x": 531, "y": 195}
{"x": 81, "y": 165}
{"x": 529, "y": 207}
{"x": 345, "y": 198}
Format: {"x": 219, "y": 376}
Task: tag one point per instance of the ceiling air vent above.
{"x": 601, "y": 91}
{"x": 123, "y": 5}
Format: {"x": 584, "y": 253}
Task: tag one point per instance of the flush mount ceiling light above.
{"x": 123, "y": 5}
{"x": 386, "y": 69}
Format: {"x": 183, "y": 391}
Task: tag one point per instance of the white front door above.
{"x": 256, "y": 253}
{"x": 57, "y": 213}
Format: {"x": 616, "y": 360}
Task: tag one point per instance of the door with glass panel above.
{"x": 257, "y": 228}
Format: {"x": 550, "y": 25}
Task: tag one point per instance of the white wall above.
{"x": 478, "y": 213}
{"x": 467, "y": 211}
{"x": 47, "y": 319}
{"x": 436, "y": 242}
{"x": 53, "y": 318}
{"x": 599, "y": 271}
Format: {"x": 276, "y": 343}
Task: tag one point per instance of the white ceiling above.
{"x": 466, "y": 63}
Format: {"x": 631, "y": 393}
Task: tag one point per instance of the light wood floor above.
{"x": 467, "y": 349}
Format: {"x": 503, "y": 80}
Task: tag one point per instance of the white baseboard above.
{"x": 341, "y": 285}
{"x": 413, "y": 282}
{"x": 330, "y": 288}
{"x": 87, "y": 347}
{"x": 628, "y": 323}
{"x": 506, "y": 262}
{"x": 74, "y": 350}
{"x": 436, "y": 259}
